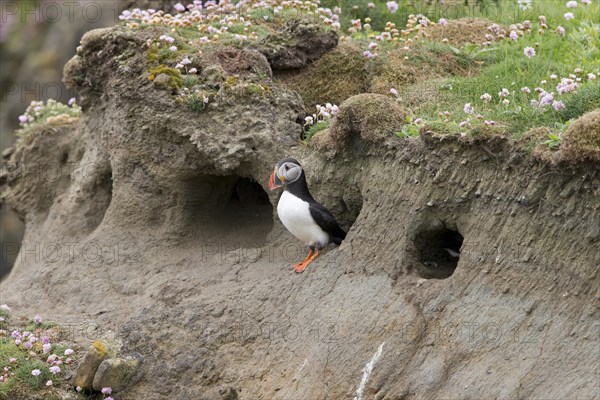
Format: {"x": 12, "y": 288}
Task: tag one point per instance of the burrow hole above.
{"x": 438, "y": 250}
{"x": 231, "y": 208}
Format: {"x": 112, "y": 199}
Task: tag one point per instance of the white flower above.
{"x": 569, "y": 16}
{"x": 192, "y": 70}
{"x": 506, "y": 102}
{"x": 591, "y": 76}
{"x": 486, "y": 97}
{"x": 173, "y": 48}
{"x": 524, "y": 4}
{"x": 571, "y": 4}
{"x": 394, "y": 92}
{"x": 49, "y": 383}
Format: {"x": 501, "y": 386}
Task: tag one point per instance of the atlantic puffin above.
{"x": 300, "y": 213}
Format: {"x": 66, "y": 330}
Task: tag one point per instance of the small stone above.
{"x": 117, "y": 373}
{"x": 505, "y": 290}
{"x": 430, "y": 203}
{"x": 8, "y": 152}
{"x": 98, "y": 352}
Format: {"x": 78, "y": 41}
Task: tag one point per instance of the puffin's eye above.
{"x": 287, "y": 167}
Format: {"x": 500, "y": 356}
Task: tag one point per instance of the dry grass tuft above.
{"x": 369, "y": 116}
{"x": 460, "y": 31}
{"x": 582, "y": 138}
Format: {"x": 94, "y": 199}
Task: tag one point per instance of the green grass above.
{"x": 313, "y": 129}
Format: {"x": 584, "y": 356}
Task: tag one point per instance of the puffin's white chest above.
{"x": 295, "y": 215}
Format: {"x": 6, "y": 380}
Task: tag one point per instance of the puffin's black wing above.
{"x": 327, "y": 222}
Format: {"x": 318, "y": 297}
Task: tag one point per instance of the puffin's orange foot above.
{"x": 300, "y": 267}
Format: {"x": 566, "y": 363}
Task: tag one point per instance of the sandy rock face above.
{"x": 189, "y": 263}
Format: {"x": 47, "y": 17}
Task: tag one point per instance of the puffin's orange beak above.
{"x": 272, "y": 185}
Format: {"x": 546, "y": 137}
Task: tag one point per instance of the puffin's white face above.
{"x": 286, "y": 171}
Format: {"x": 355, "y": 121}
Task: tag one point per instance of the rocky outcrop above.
{"x": 469, "y": 269}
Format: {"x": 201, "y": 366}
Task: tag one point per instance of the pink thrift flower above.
{"x": 38, "y": 319}
{"x": 514, "y": 36}
{"x": 560, "y": 30}
{"x": 68, "y": 352}
{"x": 392, "y": 6}
{"x": 46, "y": 348}
{"x": 36, "y": 372}
{"x": 179, "y": 7}
{"x": 55, "y": 369}
{"x": 173, "y": 48}
{"x": 571, "y": 4}
{"x": 106, "y": 390}
{"x": 558, "y": 105}
{"x": 529, "y": 52}
{"x": 468, "y": 108}
{"x": 443, "y": 21}
{"x": 49, "y": 383}
{"x": 569, "y": 16}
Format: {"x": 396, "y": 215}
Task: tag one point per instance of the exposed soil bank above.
{"x": 169, "y": 236}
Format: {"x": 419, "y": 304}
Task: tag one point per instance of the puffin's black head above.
{"x": 286, "y": 171}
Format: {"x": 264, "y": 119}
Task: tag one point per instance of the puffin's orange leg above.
{"x": 311, "y": 256}
{"x": 300, "y": 266}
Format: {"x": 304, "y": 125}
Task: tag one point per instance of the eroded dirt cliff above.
{"x": 168, "y": 235}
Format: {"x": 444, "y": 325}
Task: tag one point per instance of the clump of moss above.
{"x": 255, "y": 89}
{"x": 372, "y": 116}
{"x": 231, "y": 81}
{"x": 175, "y": 81}
{"x": 581, "y": 140}
{"x": 333, "y": 78}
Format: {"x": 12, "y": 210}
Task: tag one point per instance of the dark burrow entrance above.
{"x": 438, "y": 250}
{"x": 231, "y": 209}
